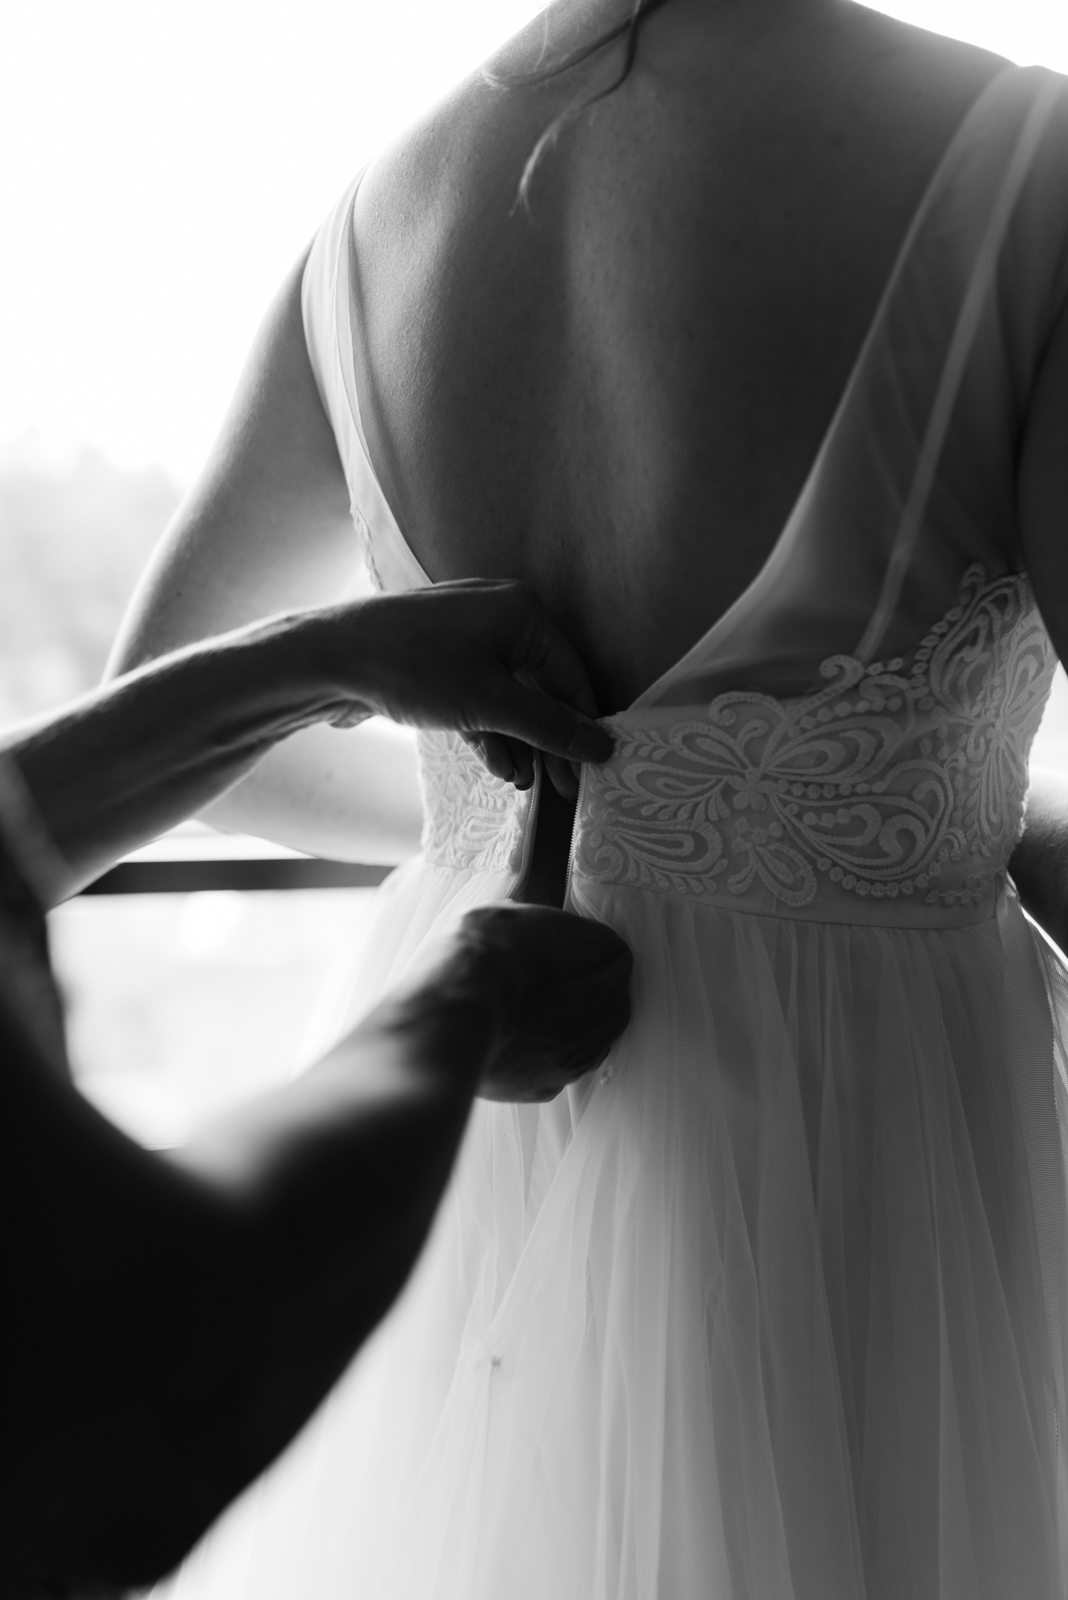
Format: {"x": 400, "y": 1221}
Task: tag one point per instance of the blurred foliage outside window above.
{"x": 178, "y": 1006}
{"x": 74, "y": 537}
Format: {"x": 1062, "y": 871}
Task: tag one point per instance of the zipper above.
{"x": 574, "y": 834}
{"x": 607, "y": 1070}
{"x": 530, "y": 830}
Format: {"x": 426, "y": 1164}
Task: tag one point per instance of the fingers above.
{"x": 512, "y": 761}
{"x": 540, "y": 650}
{"x": 563, "y": 776}
{"x": 507, "y": 706}
{"x": 551, "y": 959}
{"x": 480, "y": 656}
{"x": 545, "y": 696}
{"x": 561, "y": 987}
{"x": 560, "y": 936}
{"x": 508, "y": 759}
{"x": 523, "y": 761}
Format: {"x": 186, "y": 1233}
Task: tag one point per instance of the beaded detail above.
{"x": 898, "y": 778}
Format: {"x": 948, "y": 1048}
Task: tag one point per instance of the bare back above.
{"x": 617, "y": 395}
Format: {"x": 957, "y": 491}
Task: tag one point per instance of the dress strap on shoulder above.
{"x": 975, "y": 300}
{"x": 392, "y": 562}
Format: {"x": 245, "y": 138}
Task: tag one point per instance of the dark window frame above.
{"x": 189, "y": 876}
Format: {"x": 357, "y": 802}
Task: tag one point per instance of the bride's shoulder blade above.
{"x": 614, "y": 387}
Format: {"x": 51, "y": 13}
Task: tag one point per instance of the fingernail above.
{"x": 591, "y": 743}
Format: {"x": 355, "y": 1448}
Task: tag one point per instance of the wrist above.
{"x": 448, "y": 1033}
{"x": 450, "y": 1021}
{"x": 327, "y": 651}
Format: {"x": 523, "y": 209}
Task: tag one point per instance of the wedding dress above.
{"x": 774, "y": 1306}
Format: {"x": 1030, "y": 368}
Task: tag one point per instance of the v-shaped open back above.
{"x": 926, "y": 401}
{"x": 904, "y": 533}
{"x": 779, "y": 766}
{"x": 774, "y": 1303}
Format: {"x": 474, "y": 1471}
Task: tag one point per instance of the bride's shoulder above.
{"x": 697, "y": 84}
{"x": 475, "y": 140}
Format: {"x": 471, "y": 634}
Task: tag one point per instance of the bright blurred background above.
{"x": 162, "y": 164}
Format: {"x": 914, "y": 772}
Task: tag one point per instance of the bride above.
{"x": 737, "y": 329}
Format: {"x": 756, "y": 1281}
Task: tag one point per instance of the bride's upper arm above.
{"x": 266, "y": 526}
{"x": 1043, "y": 488}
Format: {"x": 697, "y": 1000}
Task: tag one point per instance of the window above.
{"x": 161, "y": 167}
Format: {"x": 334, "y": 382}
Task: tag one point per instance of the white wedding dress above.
{"x": 775, "y": 1305}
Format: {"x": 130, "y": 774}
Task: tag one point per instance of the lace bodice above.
{"x": 470, "y": 818}
{"x": 892, "y": 790}
{"x": 900, "y": 780}
{"x": 893, "y": 793}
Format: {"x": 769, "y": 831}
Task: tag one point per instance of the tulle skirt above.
{"x": 771, "y": 1307}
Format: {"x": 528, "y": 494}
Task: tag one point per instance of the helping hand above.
{"x": 559, "y": 984}
{"x": 481, "y": 656}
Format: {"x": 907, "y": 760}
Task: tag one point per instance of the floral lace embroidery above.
{"x": 471, "y": 818}
{"x": 881, "y": 782}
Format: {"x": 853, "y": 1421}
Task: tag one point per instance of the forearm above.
{"x": 483, "y": 658}
{"x": 338, "y": 1179}
{"x": 350, "y": 794}
{"x": 219, "y": 1293}
{"x": 130, "y": 760}
{"x": 338, "y": 1185}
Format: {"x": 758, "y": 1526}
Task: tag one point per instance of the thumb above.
{"x": 526, "y": 713}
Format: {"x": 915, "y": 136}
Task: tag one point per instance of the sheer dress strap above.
{"x": 975, "y": 301}
{"x": 924, "y": 438}
{"x": 392, "y": 563}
